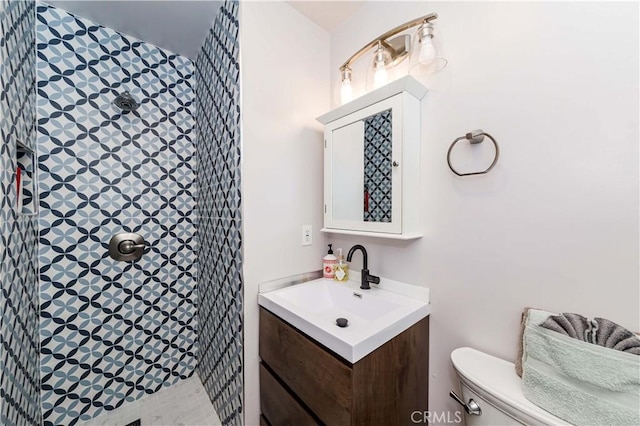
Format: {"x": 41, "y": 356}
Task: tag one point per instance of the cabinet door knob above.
{"x": 395, "y": 164}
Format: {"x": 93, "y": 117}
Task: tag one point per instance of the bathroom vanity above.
{"x": 372, "y": 372}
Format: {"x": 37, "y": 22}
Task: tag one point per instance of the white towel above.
{"x": 582, "y": 383}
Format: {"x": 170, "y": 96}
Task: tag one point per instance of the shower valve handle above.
{"x": 129, "y": 246}
{"x": 126, "y": 246}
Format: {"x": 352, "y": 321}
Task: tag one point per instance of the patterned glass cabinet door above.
{"x": 372, "y": 165}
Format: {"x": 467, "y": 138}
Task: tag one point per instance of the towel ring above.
{"x": 476, "y": 136}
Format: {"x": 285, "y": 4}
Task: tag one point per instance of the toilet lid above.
{"x": 495, "y": 380}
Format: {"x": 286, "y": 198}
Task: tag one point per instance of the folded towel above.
{"x": 572, "y": 325}
{"x": 579, "y": 382}
{"x": 519, "y": 350}
{"x": 612, "y": 335}
{"x": 598, "y": 331}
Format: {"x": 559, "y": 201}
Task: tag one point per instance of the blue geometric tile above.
{"x": 219, "y": 220}
{"x": 19, "y": 357}
{"x": 112, "y": 331}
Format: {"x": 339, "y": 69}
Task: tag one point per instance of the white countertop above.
{"x": 375, "y": 316}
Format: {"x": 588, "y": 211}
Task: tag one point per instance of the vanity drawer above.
{"x": 316, "y": 376}
{"x": 277, "y": 404}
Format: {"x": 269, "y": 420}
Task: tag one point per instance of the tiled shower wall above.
{"x": 20, "y": 380}
{"x": 219, "y": 230}
{"x": 112, "y": 331}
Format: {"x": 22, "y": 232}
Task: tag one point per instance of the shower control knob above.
{"x": 126, "y": 246}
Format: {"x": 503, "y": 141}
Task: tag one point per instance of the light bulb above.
{"x": 426, "y": 55}
{"x": 380, "y": 60}
{"x": 346, "y": 91}
{"x": 427, "y": 51}
{"x": 380, "y": 75}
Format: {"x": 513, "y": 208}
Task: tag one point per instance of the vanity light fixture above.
{"x": 426, "y": 55}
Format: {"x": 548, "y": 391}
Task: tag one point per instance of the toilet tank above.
{"x": 494, "y": 385}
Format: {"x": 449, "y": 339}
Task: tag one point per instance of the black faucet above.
{"x": 365, "y": 277}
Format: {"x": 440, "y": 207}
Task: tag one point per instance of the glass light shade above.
{"x": 378, "y": 75}
{"x": 426, "y": 54}
{"x": 346, "y": 91}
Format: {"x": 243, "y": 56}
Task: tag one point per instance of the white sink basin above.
{"x": 375, "y": 316}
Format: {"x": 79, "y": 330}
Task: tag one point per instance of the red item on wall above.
{"x": 366, "y": 200}
{"x": 18, "y": 182}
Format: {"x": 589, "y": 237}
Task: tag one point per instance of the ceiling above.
{"x": 181, "y": 25}
{"x": 328, "y": 14}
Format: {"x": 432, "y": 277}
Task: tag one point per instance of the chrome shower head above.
{"x": 125, "y": 102}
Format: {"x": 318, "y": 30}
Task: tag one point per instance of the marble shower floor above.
{"x": 183, "y": 404}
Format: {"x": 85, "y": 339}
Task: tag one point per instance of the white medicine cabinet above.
{"x": 372, "y": 163}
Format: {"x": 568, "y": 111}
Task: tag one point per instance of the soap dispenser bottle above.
{"x": 342, "y": 269}
{"x": 329, "y": 263}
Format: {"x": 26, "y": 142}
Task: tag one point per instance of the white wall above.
{"x": 285, "y": 85}
{"x": 555, "y": 224}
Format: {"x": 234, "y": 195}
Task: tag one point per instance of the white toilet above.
{"x": 492, "y": 392}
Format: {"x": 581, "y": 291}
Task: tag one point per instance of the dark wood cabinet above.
{"x": 280, "y": 406}
{"x": 304, "y": 383}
